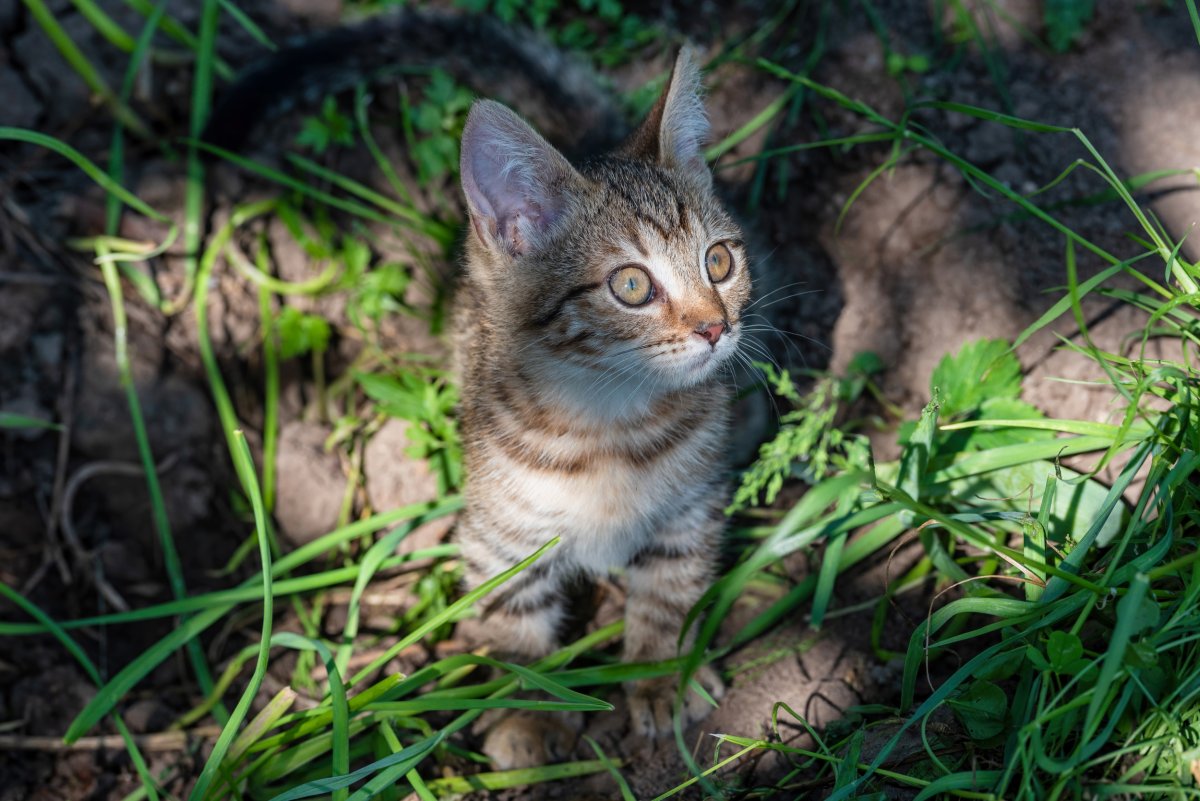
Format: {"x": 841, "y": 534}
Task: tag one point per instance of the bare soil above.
{"x": 919, "y": 264}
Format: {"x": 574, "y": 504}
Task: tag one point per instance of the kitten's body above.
{"x": 585, "y": 416}
{"x": 560, "y": 445}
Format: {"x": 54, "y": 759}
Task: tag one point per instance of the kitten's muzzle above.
{"x": 711, "y": 332}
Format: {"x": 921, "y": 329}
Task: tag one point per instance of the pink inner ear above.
{"x": 511, "y": 177}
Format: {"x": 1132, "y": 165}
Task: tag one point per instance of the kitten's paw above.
{"x": 651, "y": 700}
{"x": 528, "y": 739}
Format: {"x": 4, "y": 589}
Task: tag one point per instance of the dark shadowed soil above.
{"x": 919, "y": 264}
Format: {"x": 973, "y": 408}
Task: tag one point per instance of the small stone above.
{"x": 311, "y": 484}
{"x": 395, "y": 479}
{"x": 147, "y": 715}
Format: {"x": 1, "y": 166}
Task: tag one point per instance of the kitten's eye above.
{"x": 718, "y": 262}
{"x": 631, "y": 285}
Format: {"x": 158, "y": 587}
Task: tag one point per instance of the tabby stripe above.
{"x": 575, "y": 345}
{"x": 684, "y": 225}
{"x": 527, "y": 603}
{"x": 511, "y": 545}
{"x": 474, "y": 565}
{"x": 549, "y": 317}
{"x": 660, "y": 446}
{"x": 662, "y": 230}
{"x": 635, "y": 239}
{"x": 643, "y": 216}
{"x": 530, "y": 414}
{"x": 527, "y": 590}
{"x": 640, "y": 454}
{"x": 661, "y": 609}
{"x": 658, "y": 551}
{"x": 516, "y": 450}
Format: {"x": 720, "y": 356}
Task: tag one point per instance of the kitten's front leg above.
{"x": 518, "y": 624}
{"x": 521, "y": 620}
{"x": 666, "y": 578}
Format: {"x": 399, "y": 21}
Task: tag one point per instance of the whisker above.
{"x": 757, "y": 375}
{"x": 791, "y": 347}
{"x": 767, "y": 324}
{"x": 615, "y": 373}
{"x": 531, "y": 343}
{"x": 789, "y": 297}
{"x": 759, "y": 300}
{"x": 761, "y": 350}
{"x": 638, "y": 347}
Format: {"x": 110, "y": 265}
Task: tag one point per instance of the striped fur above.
{"x": 584, "y": 418}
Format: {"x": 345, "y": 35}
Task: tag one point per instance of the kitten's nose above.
{"x": 711, "y": 332}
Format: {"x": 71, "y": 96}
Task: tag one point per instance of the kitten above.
{"x": 598, "y": 307}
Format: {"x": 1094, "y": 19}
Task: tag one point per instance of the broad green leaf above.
{"x": 1063, "y": 649}
{"x": 1003, "y": 666}
{"x": 981, "y": 370}
{"x": 1065, "y": 20}
{"x": 944, "y": 786}
{"x": 1141, "y": 655}
{"x": 981, "y": 709}
{"x": 1036, "y": 658}
{"x": 865, "y": 363}
{"x": 401, "y": 395}
{"x": 975, "y": 434}
{"x": 301, "y": 333}
{"x": 1076, "y": 506}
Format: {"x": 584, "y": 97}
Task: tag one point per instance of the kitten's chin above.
{"x": 697, "y": 367}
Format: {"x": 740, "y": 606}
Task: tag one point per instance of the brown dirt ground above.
{"x": 921, "y": 263}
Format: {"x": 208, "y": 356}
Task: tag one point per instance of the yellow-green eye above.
{"x": 631, "y": 285}
{"x": 718, "y": 262}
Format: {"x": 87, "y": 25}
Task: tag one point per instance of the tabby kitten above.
{"x": 598, "y": 306}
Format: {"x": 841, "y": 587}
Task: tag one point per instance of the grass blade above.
{"x": 245, "y": 468}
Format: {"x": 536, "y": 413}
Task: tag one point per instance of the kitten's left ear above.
{"x": 517, "y": 185}
{"x": 676, "y": 128}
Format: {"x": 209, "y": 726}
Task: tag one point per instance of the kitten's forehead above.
{"x": 655, "y": 215}
{"x": 649, "y": 193}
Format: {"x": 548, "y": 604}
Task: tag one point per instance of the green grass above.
{"x": 1072, "y": 614}
{"x": 1082, "y": 675}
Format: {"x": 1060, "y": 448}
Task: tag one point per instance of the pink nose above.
{"x": 711, "y": 332}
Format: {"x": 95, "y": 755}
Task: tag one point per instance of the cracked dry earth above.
{"x": 920, "y": 263}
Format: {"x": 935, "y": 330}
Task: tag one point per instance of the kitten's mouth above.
{"x": 701, "y": 362}
{"x": 697, "y": 363}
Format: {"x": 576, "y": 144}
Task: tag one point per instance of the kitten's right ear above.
{"x": 674, "y": 131}
{"x": 517, "y": 185}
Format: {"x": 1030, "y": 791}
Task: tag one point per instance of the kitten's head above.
{"x": 627, "y": 270}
